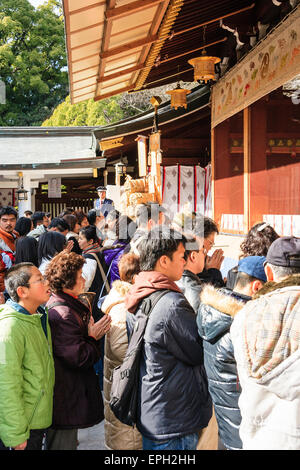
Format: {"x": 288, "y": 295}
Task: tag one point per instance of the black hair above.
{"x": 37, "y": 217}
{"x": 244, "y": 279}
{"x": 71, "y": 220}
{"x": 191, "y": 245}
{"x": 258, "y": 240}
{"x": 50, "y": 243}
{"x": 68, "y": 210}
{"x": 210, "y": 226}
{"x": 59, "y": 223}
{"x": 91, "y": 216}
{"x": 159, "y": 241}
{"x": 146, "y": 212}
{"x": 124, "y": 228}
{"x": 203, "y": 226}
{"x": 18, "y": 275}
{"x": 23, "y": 226}
{"x": 28, "y": 212}
{"x": 8, "y": 210}
{"x": 90, "y": 233}
{"x": 80, "y": 215}
{"x": 27, "y": 250}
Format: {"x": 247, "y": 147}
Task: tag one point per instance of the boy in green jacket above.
{"x": 26, "y": 362}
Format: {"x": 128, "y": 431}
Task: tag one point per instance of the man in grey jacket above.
{"x": 174, "y": 404}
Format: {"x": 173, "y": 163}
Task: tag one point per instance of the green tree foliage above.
{"x": 110, "y": 110}
{"x": 86, "y": 113}
{"x": 32, "y": 61}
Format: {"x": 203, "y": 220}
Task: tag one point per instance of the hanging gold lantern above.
{"x": 178, "y": 97}
{"x": 204, "y": 66}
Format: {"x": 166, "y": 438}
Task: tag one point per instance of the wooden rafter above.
{"x": 133, "y": 7}
{"x": 88, "y": 7}
{"x": 129, "y": 46}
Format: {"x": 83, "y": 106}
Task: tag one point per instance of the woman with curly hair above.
{"x": 76, "y": 348}
{"x": 256, "y": 243}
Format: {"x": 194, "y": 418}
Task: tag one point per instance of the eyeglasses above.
{"x": 42, "y": 280}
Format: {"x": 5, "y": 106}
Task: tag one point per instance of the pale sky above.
{"x": 36, "y": 3}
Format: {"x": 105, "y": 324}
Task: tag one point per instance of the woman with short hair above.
{"x": 23, "y": 226}
{"x": 76, "y": 348}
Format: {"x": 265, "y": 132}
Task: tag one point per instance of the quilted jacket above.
{"x": 215, "y": 315}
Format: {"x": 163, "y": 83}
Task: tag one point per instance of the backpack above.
{"x": 125, "y": 378}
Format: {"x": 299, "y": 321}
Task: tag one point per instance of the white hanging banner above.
{"x": 54, "y": 187}
{"x": 200, "y": 189}
{"x": 187, "y": 188}
{"x": 170, "y": 189}
{"x": 207, "y": 191}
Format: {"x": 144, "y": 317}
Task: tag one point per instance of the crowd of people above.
{"x": 216, "y": 347}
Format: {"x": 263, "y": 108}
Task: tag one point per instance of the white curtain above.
{"x": 170, "y": 189}
{"x": 182, "y": 184}
{"x": 208, "y": 197}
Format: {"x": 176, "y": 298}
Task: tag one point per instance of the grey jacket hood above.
{"x": 219, "y": 307}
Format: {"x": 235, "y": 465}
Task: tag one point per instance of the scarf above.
{"x": 145, "y": 283}
{"x": 95, "y": 248}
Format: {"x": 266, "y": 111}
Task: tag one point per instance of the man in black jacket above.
{"x": 207, "y": 228}
{"x": 190, "y": 284}
{"x": 174, "y": 404}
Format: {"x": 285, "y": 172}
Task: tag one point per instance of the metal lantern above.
{"x": 120, "y": 172}
{"x": 121, "y": 168}
{"x": 204, "y": 67}
{"x": 21, "y": 192}
{"x": 178, "y": 97}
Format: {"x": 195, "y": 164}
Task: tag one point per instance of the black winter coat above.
{"x": 77, "y": 395}
{"x": 174, "y": 398}
{"x": 215, "y": 315}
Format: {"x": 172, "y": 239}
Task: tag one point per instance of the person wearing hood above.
{"x": 118, "y": 436}
{"x": 173, "y": 400}
{"x": 266, "y": 340}
{"x": 26, "y": 362}
{"x": 217, "y": 310}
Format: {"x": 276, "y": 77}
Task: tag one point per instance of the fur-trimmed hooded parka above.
{"x": 217, "y": 309}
